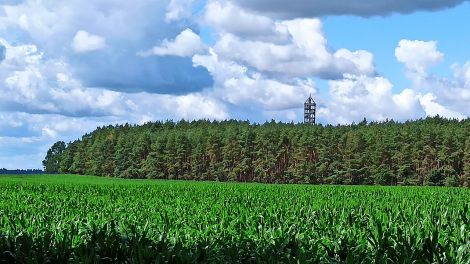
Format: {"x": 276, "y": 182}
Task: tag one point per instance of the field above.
{"x": 86, "y": 219}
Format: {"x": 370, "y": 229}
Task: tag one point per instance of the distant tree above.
{"x": 53, "y": 157}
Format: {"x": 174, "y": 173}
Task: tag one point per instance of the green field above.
{"x": 86, "y": 219}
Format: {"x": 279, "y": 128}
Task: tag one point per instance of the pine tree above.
{"x": 153, "y": 165}
{"x": 465, "y": 179}
{"x": 78, "y": 163}
{"x": 232, "y": 151}
{"x": 108, "y": 152}
{"x": 123, "y": 158}
{"x": 170, "y": 158}
{"x": 183, "y": 149}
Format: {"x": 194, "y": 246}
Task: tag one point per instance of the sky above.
{"x": 67, "y": 67}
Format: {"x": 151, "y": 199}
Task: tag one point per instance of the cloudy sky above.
{"x": 67, "y": 67}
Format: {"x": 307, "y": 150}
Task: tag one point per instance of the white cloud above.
{"x": 446, "y": 97}
{"x": 127, "y": 28}
{"x": 85, "y": 42}
{"x": 20, "y": 56}
{"x": 34, "y": 84}
{"x": 270, "y": 94}
{"x": 418, "y": 56}
{"x": 42, "y": 102}
{"x": 189, "y": 107}
{"x": 440, "y": 96}
{"x": 178, "y": 9}
{"x": 356, "y": 97}
{"x": 433, "y": 108}
{"x": 362, "y": 60}
{"x": 242, "y": 88}
{"x": 462, "y": 74}
{"x": 222, "y": 16}
{"x": 408, "y": 104}
{"x": 298, "y": 49}
{"x": 186, "y": 44}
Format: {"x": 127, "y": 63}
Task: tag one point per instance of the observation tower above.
{"x": 310, "y": 108}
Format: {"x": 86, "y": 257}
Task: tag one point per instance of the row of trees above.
{"x": 4, "y": 171}
{"x": 432, "y": 151}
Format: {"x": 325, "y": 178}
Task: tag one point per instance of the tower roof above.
{"x": 310, "y": 108}
{"x": 310, "y": 100}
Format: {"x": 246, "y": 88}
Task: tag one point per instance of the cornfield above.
{"x": 85, "y": 219}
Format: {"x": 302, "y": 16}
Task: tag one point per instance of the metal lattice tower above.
{"x": 310, "y": 108}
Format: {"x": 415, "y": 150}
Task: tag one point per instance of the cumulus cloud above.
{"x": 433, "y": 108}
{"x": 186, "y": 44}
{"x": 356, "y": 97}
{"x": 445, "y": 97}
{"x": 37, "y": 85}
{"x": 189, "y": 107}
{"x": 221, "y": 15}
{"x": 85, "y": 42}
{"x": 462, "y": 74}
{"x": 250, "y": 90}
{"x": 32, "y": 83}
{"x": 297, "y": 48}
{"x": 127, "y": 26}
{"x": 178, "y": 9}
{"x": 418, "y": 56}
{"x": 361, "y": 60}
{"x": 317, "y": 8}
{"x": 43, "y": 102}
{"x": 448, "y": 97}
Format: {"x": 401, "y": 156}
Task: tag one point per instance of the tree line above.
{"x": 4, "y": 171}
{"x": 431, "y": 151}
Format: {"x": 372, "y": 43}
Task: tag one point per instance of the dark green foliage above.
{"x": 433, "y": 151}
{"x": 465, "y": 179}
{"x": 54, "y": 156}
{"x": 84, "y": 219}
{"x": 384, "y": 175}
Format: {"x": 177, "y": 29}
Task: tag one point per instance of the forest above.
{"x": 432, "y": 151}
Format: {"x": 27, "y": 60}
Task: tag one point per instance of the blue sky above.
{"x": 68, "y": 67}
{"x": 380, "y": 35}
